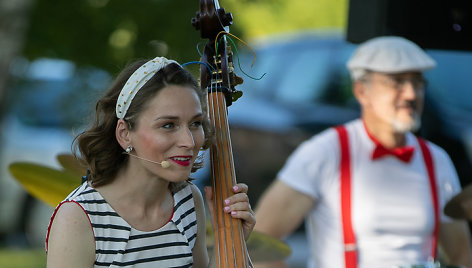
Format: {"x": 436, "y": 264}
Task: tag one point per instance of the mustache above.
{"x": 409, "y": 104}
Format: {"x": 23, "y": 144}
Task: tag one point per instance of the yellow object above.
{"x": 47, "y": 184}
{"x": 69, "y": 162}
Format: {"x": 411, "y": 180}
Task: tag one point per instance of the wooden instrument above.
{"x": 218, "y": 79}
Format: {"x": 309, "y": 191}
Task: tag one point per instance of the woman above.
{"x": 138, "y": 207}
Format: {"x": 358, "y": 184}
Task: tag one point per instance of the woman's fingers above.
{"x": 240, "y": 194}
{"x": 237, "y": 205}
{"x": 240, "y": 188}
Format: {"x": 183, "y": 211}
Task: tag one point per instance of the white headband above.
{"x": 136, "y": 81}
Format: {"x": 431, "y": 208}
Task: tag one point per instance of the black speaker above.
{"x": 435, "y": 24}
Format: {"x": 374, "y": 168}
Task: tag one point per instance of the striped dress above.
{"x": 117, "y": 244}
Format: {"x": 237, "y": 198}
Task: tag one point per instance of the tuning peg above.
{"x": 196, "y": 21}
{"x": 225, "y": 18}
{"x": 237, "y": 80}
{"x": 235, "y": 95}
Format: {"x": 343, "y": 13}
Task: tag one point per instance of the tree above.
{"x": 108, "y": 34}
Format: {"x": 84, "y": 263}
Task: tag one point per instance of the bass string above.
{"x": 237, "y": 236}
{"x": 217, "y": 199}
{"x": 219, "y": 115}
{"x": 211, "y": 113}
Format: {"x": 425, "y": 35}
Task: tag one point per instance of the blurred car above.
{"x": 48, "y": 99}
{"x": 307, "y": 88}
{"x": 447, "y": 118}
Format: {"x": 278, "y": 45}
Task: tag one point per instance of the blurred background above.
{"x": 58, "y": 57}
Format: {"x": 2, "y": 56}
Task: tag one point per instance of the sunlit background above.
{"x": 57, "y": 57}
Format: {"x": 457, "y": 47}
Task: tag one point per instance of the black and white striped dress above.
{"x": 117, "y": 244}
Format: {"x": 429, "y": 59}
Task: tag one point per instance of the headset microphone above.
{"x": 164, "y": 164}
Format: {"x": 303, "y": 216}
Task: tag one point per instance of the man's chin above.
{"x": 407, "y": 126}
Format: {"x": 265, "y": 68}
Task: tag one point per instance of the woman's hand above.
{"x": 237, "y": 206}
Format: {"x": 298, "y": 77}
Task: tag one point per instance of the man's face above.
{"x": 394, "y": 99}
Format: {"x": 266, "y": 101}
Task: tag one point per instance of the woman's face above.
{"x": 170, "y": 129}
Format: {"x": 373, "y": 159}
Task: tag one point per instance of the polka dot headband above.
{"x": 136, "y": 81}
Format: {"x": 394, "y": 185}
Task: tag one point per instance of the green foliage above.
{"x": 265, "y": 17}
{"x": 108, "y": 34}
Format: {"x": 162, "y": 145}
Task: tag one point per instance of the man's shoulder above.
{"x": 324, "y": 143}
{"x": 329, "y": 136}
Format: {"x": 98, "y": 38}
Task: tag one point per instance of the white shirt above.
{"x": 392, "y": 206}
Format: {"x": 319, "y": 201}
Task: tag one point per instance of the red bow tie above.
{"x": 403, "y": 153}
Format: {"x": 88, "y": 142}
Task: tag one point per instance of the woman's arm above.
{"x": 70, "y": 241}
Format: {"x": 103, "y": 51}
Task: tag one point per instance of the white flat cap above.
{"x": 388, "y": 54}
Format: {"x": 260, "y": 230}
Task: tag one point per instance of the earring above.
{"x": 129, "y": 149}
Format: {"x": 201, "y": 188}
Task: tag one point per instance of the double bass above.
{"x": 218, "y": 79}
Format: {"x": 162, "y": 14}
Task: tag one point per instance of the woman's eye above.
{"x": 168, "y": 125}
{"x": 197, "y": 124}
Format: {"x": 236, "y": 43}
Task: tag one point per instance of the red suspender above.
{"x": 349, "y": 238}
{"x": 350, "y": 248}
{"x": 428, "y": 160}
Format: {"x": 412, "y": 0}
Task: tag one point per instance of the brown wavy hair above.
{"x": 98, "y": 147}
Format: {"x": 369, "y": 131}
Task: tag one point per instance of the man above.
{"x": 372, "y": 193}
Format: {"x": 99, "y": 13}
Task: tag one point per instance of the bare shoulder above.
{"x": 70, "y": 215}
{"x": 70, "y": 239}
{"x": 70, "y": 209}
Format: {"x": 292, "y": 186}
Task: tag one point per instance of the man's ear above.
{"x": 122, "y": 133}
{"x": 359, "y": 90}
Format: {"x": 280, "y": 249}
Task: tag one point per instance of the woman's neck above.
{"x": 138, "y": 187}
{"x": 145, "y": 202}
